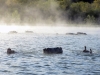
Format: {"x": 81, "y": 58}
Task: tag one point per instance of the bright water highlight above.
{"x": 30, "y": 59}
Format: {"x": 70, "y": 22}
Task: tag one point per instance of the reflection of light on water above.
{"x": 30, "y": 56}
{"x": 63, "y": 30}
{"x": 6, "y": 29}
{"x": 48, "y": 29}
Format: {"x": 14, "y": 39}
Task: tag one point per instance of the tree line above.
{"x": 50, "y": 11}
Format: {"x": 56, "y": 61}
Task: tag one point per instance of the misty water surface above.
{"x": 30, "y": 59}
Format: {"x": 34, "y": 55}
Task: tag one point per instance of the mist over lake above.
{"x": 30, "y": 59}
{"x": 28, "y": 27}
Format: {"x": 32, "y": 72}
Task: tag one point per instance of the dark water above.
{"x": 30, "y": 59}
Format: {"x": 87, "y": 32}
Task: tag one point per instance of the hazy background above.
{"x": 50, "y": 12}
{"x": 30, "y": 12}
{"x": 24, "y": 15}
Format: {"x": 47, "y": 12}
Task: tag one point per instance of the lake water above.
{"x": 30, "y": 59}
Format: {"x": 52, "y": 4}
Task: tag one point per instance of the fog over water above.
{"x": 60, "y": 29}
{"x": 30, "y": 59}
{"x": 49, "y": 27}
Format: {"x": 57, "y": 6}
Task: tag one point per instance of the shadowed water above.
{"x": 30, "y": 59}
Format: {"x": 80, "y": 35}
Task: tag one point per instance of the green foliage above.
{"x": 88, "y": 12}
{"x": 32, "y": 11}
{"x": 90, "y": 19}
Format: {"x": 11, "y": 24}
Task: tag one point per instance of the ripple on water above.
{"x": 30, "y": 59}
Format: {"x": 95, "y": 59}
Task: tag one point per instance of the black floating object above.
{"x": 86, "y": 51}
{"x": 9, "y": 51}
{"x": 57, "y": 50}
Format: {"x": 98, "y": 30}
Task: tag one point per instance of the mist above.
{"x": 42, "y": 12}
{"x": 58, "y": 30}
{"x": 41, "y": 16}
